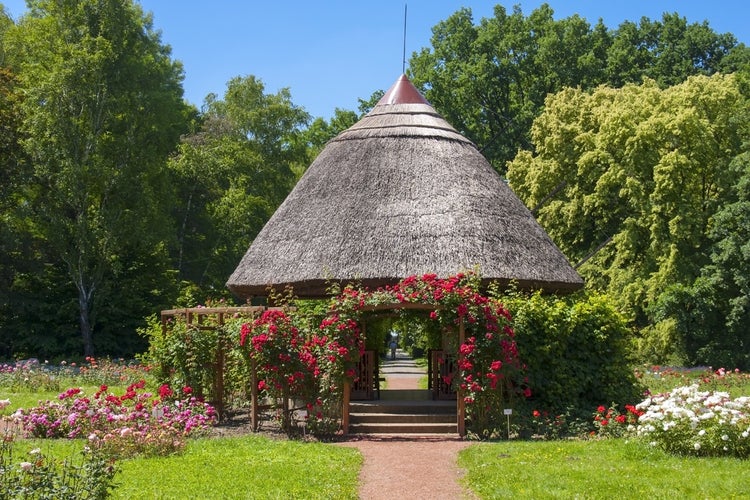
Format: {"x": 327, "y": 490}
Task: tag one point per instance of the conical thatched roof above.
{"x": 400, "y": 193}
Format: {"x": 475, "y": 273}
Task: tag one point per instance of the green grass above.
{"x": 597, "y": 469}
{"x": 228, "y": 468}
{"x": 244, "y": 467}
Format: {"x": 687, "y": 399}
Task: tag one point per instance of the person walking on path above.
{"x": 393, "y": 345}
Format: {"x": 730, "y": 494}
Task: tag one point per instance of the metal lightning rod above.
{"x": 403, "y": 63}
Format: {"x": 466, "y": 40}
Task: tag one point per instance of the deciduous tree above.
{"x": 102, "y": 110}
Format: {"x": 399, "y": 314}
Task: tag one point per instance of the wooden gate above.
{"x": 441, "y": 368}
{"x": 366, "y": 383}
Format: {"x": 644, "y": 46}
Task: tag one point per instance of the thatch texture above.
{"x": 400, "y": 193}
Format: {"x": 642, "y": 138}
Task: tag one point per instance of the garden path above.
{"x": 403, "y": 466}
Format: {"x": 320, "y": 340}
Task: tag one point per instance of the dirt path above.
{"x": 416, "y": 468}
{"x": 403, "y": 466}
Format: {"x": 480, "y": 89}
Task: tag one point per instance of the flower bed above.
{"x": 136, "y": 422}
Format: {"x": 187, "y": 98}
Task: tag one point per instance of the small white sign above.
{"x": 508, "y": 411}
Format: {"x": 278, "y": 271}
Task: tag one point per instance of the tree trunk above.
{"x": 84, "y": 319}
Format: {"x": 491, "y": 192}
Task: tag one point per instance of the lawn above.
{"x": 597, "y": 469}
{"x": 250, "y": 466}
{"x": 244, "y": 467}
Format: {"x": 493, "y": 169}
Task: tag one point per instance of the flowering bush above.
{"x": 544, "y": 425}
{"x": 310, "y": 369}
{"x": 35, "y": 476}
{"x": 33, "y": 375}
{"x": 136, "y": 422}
{"x": 490, "y": 372}
{"x": 610, "y": 422}
{"x": 313, "y": 364}
{"x": 688, "y": 421}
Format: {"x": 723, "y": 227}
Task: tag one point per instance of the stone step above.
{"x": 406, "y": 395}
{"x": 404, "y": 428}
{"x": 407, "y": 418}
{"x": 403, "y": 407}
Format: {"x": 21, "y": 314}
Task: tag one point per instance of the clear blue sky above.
{"x": 330, "y": 53}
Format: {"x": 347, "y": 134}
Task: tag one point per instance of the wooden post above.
{"x": 253, "y": 396}
{"x": 345, "y": 409}
{"x": 460, "y": 404}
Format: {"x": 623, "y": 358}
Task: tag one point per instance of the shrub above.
{"x": 576, "y": 351}
{"x": 136, "y": 422}
{"x": 36, "y": 476}
{"x": 687, "y": 421}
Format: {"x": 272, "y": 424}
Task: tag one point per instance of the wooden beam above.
{"x": 461, "y": 405}
{"x": 345, "y": 409}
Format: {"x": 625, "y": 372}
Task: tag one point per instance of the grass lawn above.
{"x": 597, "y": 469}
{"x": 244, "y": 467}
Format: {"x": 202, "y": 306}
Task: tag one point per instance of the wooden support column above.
{"x": 345, "y": 409}
{"x": 253, "y": 396}
{"x": 460, "y": 404}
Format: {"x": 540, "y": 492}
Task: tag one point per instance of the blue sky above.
{"x": 330, "y": 53}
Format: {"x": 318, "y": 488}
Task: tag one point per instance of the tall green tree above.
{"x": 645, "y": 168}
{"x": 490, "y": 79}
{"x": 102, "y": 110}
{"x": 231, "y": 175}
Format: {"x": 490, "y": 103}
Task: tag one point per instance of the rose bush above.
{"x": 296, "y": 362}
{"x": 136, "y": 422}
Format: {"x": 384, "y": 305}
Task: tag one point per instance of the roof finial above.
{"x": 403, "y": 63}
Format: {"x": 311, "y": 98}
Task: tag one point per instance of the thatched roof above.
{"x": 400, "y": 193}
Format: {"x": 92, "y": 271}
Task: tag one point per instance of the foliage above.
{"x": 308, "y": 366}
{"x": 719, "y": 299}
{"x": 490, "y": 79}
{"x": 596, "y": 469}
{"x": 314, "y": 365}
{"x": 687, "y": 421}
{"x": 645, "y": 172}
{"x": 610, "y": 422}
{"x": 576, "y": 354}
{"x": 39, "y": 476}
{"x": 230, "y": 175}
{"x": 101, "y": 111}
{"x": 188, "y": 355}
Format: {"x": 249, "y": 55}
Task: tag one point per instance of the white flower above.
{"x": 697, "y": 446}
{"x": 745, "y": 434}
{"x": 702, "y": 432}
{"x": 26, "y": 466}
{"x": 35, "y": 451}
{"x": 4, "y": 403}
{"x": 724, "y": 437}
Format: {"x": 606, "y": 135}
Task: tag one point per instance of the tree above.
{"x": 713, "y": 313}
{"x": 490, "y": 79}
{"x": 645, "y": 168}
{"x": 103, "y": 109}
{"x": 670, "y": 50}
{"x": 231, "y": 175}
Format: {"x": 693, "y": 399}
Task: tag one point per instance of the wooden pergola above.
{"x": 199, "y": 317}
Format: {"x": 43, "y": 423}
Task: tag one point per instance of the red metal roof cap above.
{"x": 403, "y": 92}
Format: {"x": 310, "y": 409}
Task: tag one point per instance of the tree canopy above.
{"x": 490, "y": 79}
{"x": 102, "y": 108}
{"x": 651, "y": 172}
{"x": 118, "y": 199}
